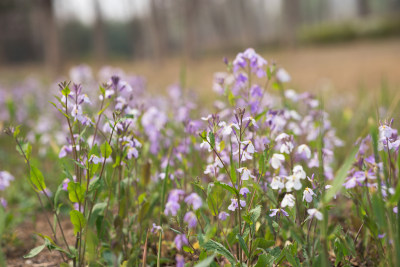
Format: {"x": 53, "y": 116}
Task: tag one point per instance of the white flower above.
{"x": 211, "y": 169}
{"x": 385, "y": 131}
{"x": 292, "y": 95}
{"x": 76, "y": 111}
{"x": 298, "y": 172}
{"x": 282, "y": 76}
{"x": 246, "y": 154}
{"x": 109, "y": 93}
{"x": 287, "y": 147}
{"x": 308, "y": 195}
{"x": 253, "y": 121}
{"x": 227, "y": 129}
{"x": 206, "y": 145}
{"x": 294, "y": 115}
{"x": 276, "y": 160}
{"x": 246, "y": 173}
{"x": 282, "y": 137}
{"x": 250, "y": 147}
{"x": 315, "y": 213}
{"x": 95, "y": 159}
{"x": 288, "y": 201}
{"x": 304, "y": 149}
{"x": 286, "y": 143}
{"x": 292, "y": 182}
{"x": 277, "y": 183}
{"x": 206, "y": 118}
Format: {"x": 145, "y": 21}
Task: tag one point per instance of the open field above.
{"x": 338, "y": 67}
{"x": 256, "y": 174}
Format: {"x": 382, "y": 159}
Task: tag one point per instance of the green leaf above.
{"x": 292, "y": 260}
{"x": 263, "y": 243}
{"x": 98, "y": 209}
{"x": 231, "y": 98}
{"x": 176, "y": 231}
{"x": 77, "y": 220}
{"x": 215, "y": 198}
{"x": 265, "y": 260}
{"x": 216, "y": 247}
{"x": 57, "y": 194}
{"x": 65, "y": 91}
{"x": 243, "y": 245}
{"x": 255, "y": 213}
{"x": 37, "y": 179}
{"x": 229, "y": 188}
{"x": 26, "y": 149}
{"x": 105, "y": 150}
{"x": 95, "y": 183}
{"x": 17, "y": 131}
{"x": 206, "y": 262}
{"x": 103, "y": 109}
{"x": 340, "y": 176}
{"x": 76, "y": 192}
{"x": 62, "y": 112}
{"x": 35, "y": 251}
{"x": 212, "y": 139}
{"x": 2, "y": 220}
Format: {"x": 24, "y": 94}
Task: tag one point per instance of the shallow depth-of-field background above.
{"x": 347, "y": 54}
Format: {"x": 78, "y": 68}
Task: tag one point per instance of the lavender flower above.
{"x": 5, "y": 179}
{"x": 171, "y": 208}
{"x": 191, "y": 219}
{"x": 276, "y": 212}
{"x": 223, "y": 215}
{"x": 180, "y": 240}
{"x": 315, "y": 213}
{"x": 194, "y": 200}
{"x": 180, "y": 261}
{"x": 234, "y": 204}
{"x": 244, "y": 191}
{"x": 156, "y": 228}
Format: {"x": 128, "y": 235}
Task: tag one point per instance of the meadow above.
{"x": 98, "y": 170}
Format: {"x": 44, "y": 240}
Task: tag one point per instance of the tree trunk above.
{"x": 291, "y": 16}
{"x": 158, "y": 30}
{"x": 363, "y": 8}
{"x": 51, "y": 43}
{"x": 190, "y": 7}
{"x": 100, "y": 45}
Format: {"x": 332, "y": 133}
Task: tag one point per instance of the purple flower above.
{"x": 76, "y": 207}
{"x": 191, "y": 219}
{"x": 3, "y": 202}
{"x": 156, "y": 228}
{"x": 171, "y": 208}
{"x": 275, "y": 212}
{"x": 95, "y": 159}
{"x": 64, "y": 151}
{"x": 234, "y": 204}
{"x": 351, "y": 183}
{"x": 5, "y": 178}
{"x": 223, "y": 216}
{"x": 175, "y": 195}
{"x": 180, "y": 261}
{"x": 180, "y": 240}
{"x": 244, "y": 191}
{"x": 194, "y": 200}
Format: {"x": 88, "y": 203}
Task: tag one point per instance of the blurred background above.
{"x": 322, "y": 43}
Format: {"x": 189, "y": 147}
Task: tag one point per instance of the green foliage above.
{"x": 218, "y": 248}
